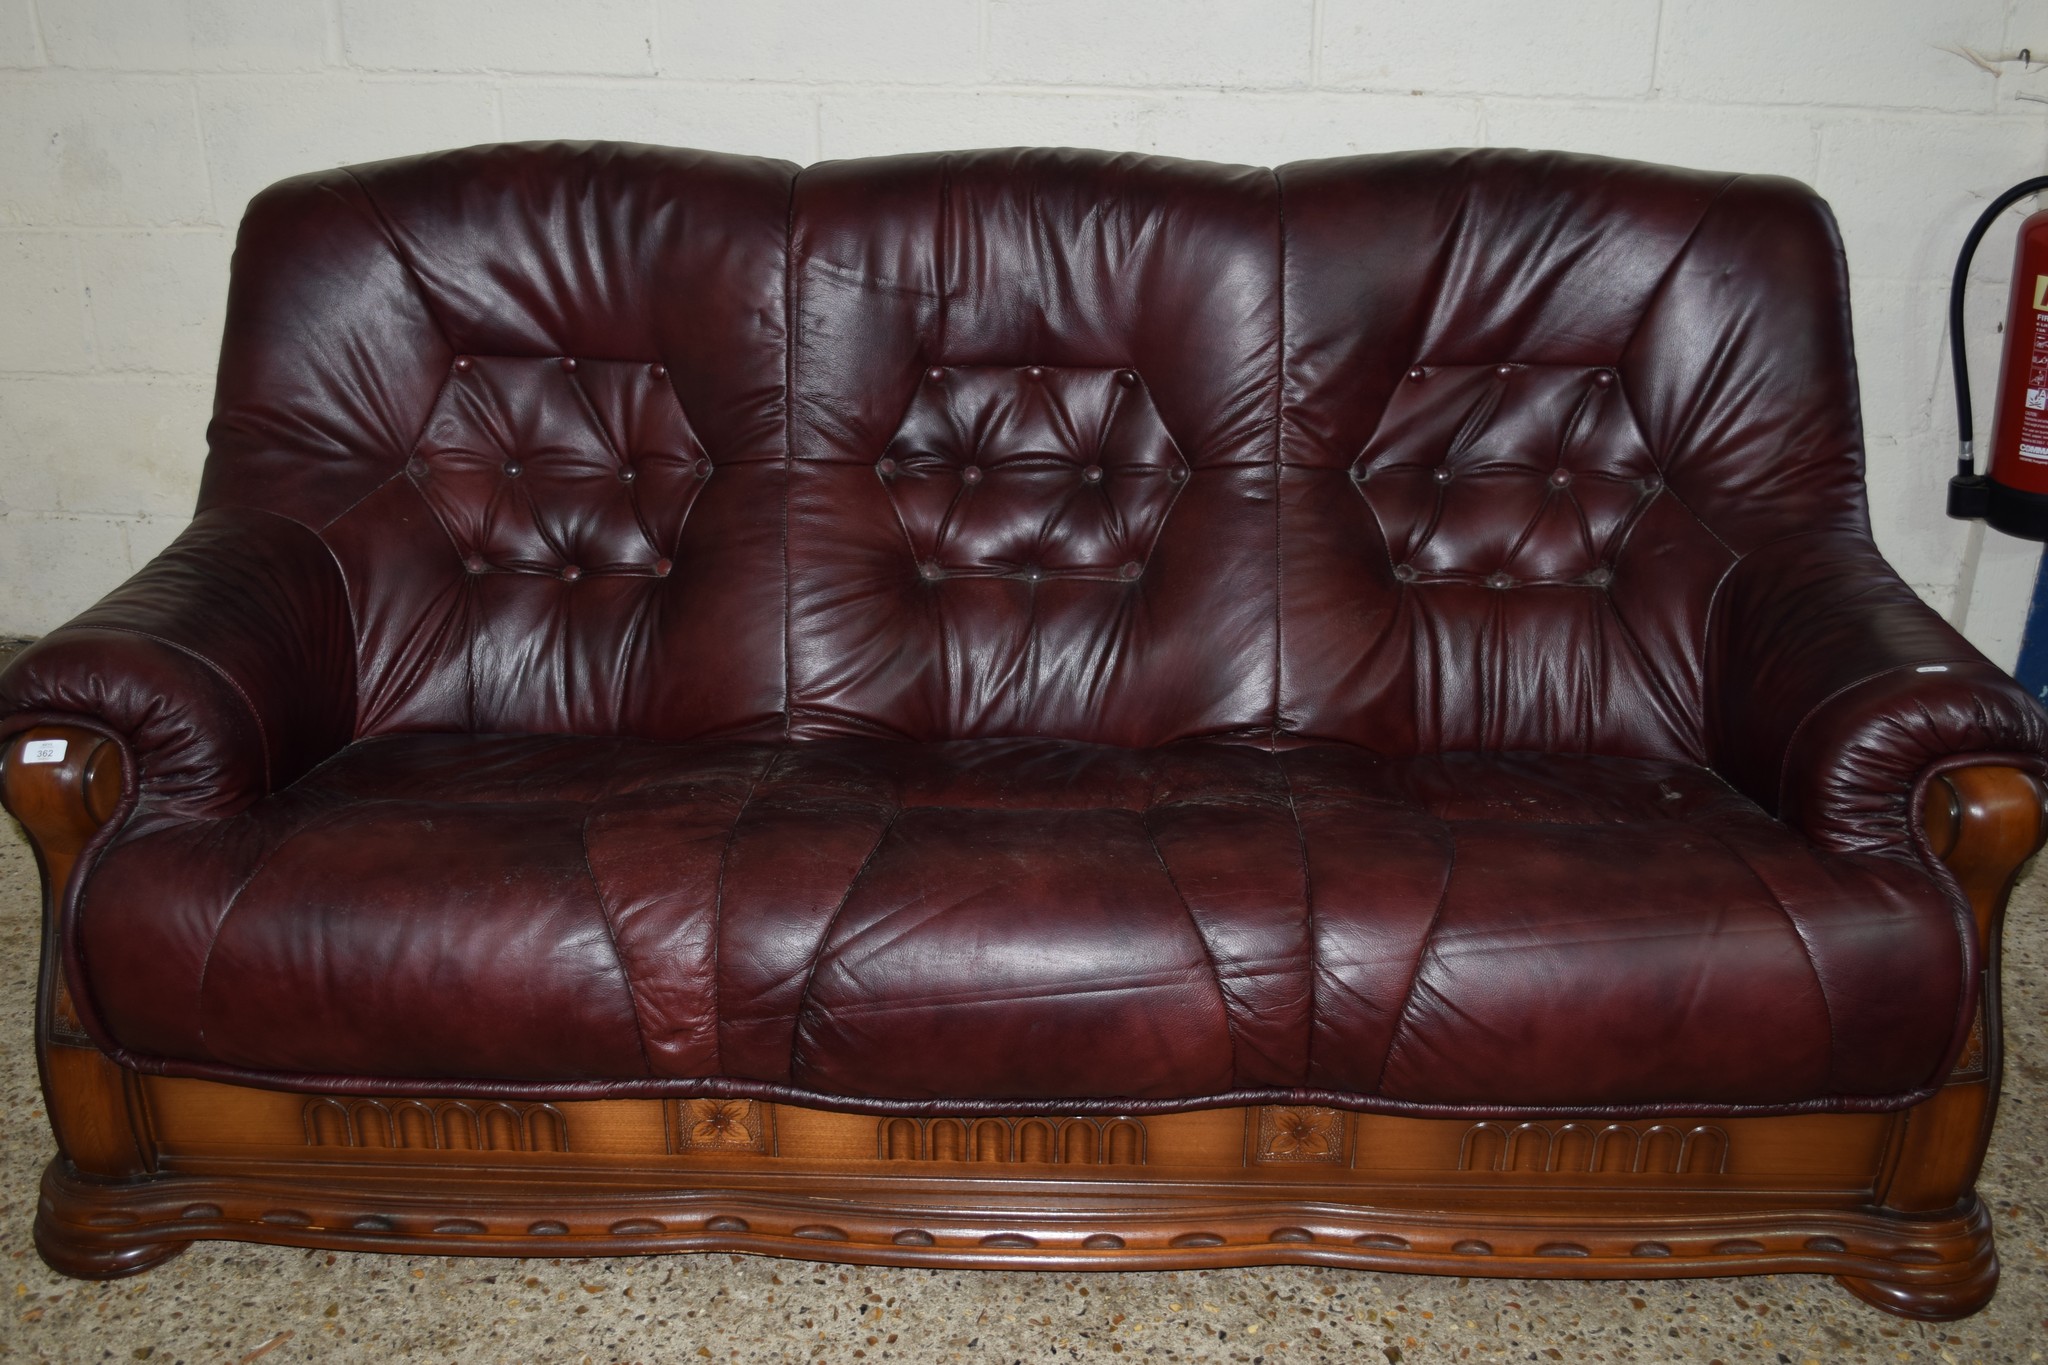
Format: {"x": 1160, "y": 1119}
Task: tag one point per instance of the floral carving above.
{"x": 720, "y": 1126}
{"x": 1299, "y": 1133}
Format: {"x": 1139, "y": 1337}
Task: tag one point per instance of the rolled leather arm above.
{"x": 225, "y": 667}
{"x": 1832, "y": 690}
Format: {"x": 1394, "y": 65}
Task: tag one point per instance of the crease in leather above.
{"x": 1224, "y": 996}
{"x": 803, "y": 999}
{"x": 611, "y": 933}
{"x": 1656, "y": 294}
{"x": 1423, "y": 946}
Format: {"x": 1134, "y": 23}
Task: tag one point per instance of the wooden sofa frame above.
{"x": 1885, "y": 1202}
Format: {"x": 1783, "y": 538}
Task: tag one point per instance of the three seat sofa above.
{"x": 1030, "y": 708}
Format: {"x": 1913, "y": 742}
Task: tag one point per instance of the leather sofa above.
{"x": 1030, "y": 708}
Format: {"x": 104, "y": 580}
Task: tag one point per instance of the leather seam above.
{"x": 1792, "y": 736}
{"x": 248, "y": 703}
{"x": 1279, "y": 421}
{"x": 1708, "y": 671}
{"x": 729, "y": 1087}
{"x": 234, "y": 903}
{"x": 1820, "y": 989}
{"x": 732, "y": 837}
{"x": 1308, "y": 903}
{"x": 803, "y": 999}
{"x": 348, "y": 603}
{"x": 611, "y": 934}
{"x": 1237, "y": 1047}
{"x": 1655, "y": 677}
{"x": 790, "y": 314}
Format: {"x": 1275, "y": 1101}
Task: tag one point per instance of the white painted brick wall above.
{"x": 132, "y": 132}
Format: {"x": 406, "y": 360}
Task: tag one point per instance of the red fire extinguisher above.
{"x": 2014, "y": 499}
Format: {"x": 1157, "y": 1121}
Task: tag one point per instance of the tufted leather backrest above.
{"x": 532, "y": 400}
{"x": 1424, "y": 452}
{"x": 1033, "y": 399}
{"x": 1537, "y": 405}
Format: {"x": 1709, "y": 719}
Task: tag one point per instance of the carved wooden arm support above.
{"x": 63, "y": 803}
{"x": 1984, "y": 823}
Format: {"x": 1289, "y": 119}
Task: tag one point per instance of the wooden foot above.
{"x": 88, "y": 1258}
{"x": 1930, "y": 1302}
{"x": 1937, "y": 1291}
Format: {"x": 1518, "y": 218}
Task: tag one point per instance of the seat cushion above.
{"x": 1023, "y": 920}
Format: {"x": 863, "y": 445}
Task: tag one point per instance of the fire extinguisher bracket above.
{"x": 2011, "y": 510}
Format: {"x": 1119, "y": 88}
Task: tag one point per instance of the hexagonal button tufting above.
{"x": 540, "y": 465}
{"x": 1535, "y": 480}
{"x": 1032, "y": 472}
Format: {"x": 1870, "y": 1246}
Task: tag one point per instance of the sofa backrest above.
{"x": 1423, "y": 452}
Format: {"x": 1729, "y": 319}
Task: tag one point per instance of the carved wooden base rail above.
{"x": 1662, "y": 1198}
{"x": 1884, "y": 1202}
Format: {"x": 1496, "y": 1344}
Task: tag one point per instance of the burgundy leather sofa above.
{"x": 880, "y": 679}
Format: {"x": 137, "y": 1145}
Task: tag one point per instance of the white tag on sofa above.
{"x": 44, "y": 751}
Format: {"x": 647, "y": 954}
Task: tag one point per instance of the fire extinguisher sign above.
{"x": 2034, "y": 420}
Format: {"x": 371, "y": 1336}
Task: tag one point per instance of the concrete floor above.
{"x": 222, "y": 1302}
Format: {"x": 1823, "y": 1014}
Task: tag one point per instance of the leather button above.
{"x": 886, "y": 467}
{"x": 627, "y": 475}
{"x": 1417, "y": 375}
{"x": 1603, "y": 379}
{"x": 658, "y": 371}
{"x": 1404, "y": 573}
{"x": 416, "y": 467}
{"x": 1035, "y": 372}
{"x": 661, "y": 568}
{"x": 935, "y": 374}
{"x": 475, "y": 564}
{"x": 1560, "y": 478}
{"x": 1178, "y": 474}
{"x": 971, "y": 474}
{"x": 571, "y": 573}
{"x": 513, "y": 469}
{"x": 1441, "y": 475}
{"x": 1600, "y": 578}
{"x": 568, "y": 364}
{"x": 1092, "y": 474}
{"x": 1131, "y": 569}
{"x": 1127, "y": 377}
{"x": 702, "y": 469}
{"x": 1504, "y": 370}
{"x": 929, "y": 571}
{"x": 1653, "y": 483}
{"x": 463, "y": 364}
{"x": 1358, "y": 473}
{"x": 1499, "y": 580}
{"x": 1032, "y": 573}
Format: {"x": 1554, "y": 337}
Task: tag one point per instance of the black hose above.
{"x": 1966, "y": 461}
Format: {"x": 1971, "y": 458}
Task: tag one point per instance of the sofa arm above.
{"x": 225, "y": 668}
{"x": 1832, "y": 692}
